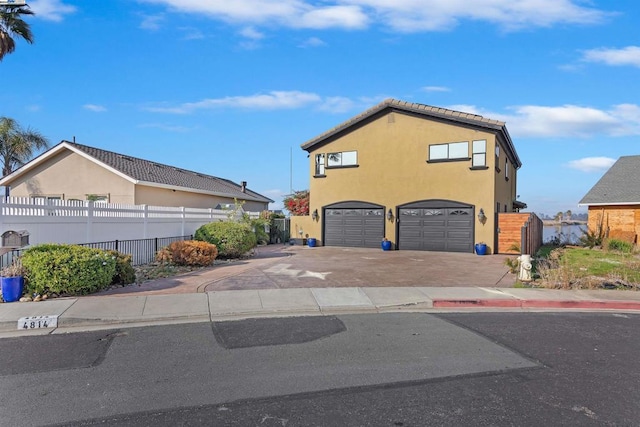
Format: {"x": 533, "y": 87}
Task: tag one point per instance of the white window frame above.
{"x": 479, "y": 153}
{"x": 342, "y": 159}
{"x": 320, "y": 164}
{"x": 454, "y": 151}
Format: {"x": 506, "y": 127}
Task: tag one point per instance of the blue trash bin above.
{"x": 12, "y": 288}
{"x": 311, "y": 241}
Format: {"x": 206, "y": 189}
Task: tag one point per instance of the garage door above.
{"x": 356, "y": 224}
{"x": 436, "y": 225}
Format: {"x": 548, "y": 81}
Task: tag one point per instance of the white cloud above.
{"x": 312, "y": 42}
{"x": 275, "y": 100}
{"x": 436, "y": 89}
{"x": 51, "y": 10}
{"x": 592, "y": 164}
{"x": 251, "y": 33}
{"x": 95, "y": 108}
{"x": 629, "y": 55}
{"x": 192, "y": 33}
{"x": 151, "y": 22}
{"x": 336, "y": 104}
{"x": 565, "y": 121}
{"x": 399, "y": 15}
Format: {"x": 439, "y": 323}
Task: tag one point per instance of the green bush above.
{"x": 125, "y": 274}
{"x": 233, "y": 239}
{"x": 619, "y": 245}
{"x": 67, "y": 269}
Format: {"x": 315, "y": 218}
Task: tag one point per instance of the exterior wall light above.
{"x": 390, "y": 215}
{"x": 481, "y": 216}
{"x": 314, "y": 215}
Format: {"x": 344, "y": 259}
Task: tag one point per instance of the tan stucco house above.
{"x": 72, "y": 171}
{"x": 614, "y": 201}
{"x": 423, "y": 177}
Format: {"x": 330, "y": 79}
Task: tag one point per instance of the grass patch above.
{"x": 583, "y": 268}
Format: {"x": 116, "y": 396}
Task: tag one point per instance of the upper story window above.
{"x": 450, "y": 151}
{"x": 342, "y": 159}
{"x": 506, "y": 169}
{"x": 479, "y": 151}
{"x": 319, "y": 164}
{"x": 497, "y": 157}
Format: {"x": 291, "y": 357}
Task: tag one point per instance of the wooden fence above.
{"x": 519, "y": 233}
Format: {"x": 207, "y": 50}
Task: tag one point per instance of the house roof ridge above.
{"x": 620, "y": 184}
{"x": 167, "y": 175}
{"x": 425, "y": 109}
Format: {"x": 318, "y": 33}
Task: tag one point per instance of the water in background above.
{"x": 566, "y": 233}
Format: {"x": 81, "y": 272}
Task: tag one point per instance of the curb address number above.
{"x": 38, "y": 322}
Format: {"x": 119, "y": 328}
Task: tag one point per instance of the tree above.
{"x": 568, "y": 215}
{"x": 297, "y": 203}
{"x": 17, "y": 146}
{"x": 559, "y": 217}
{"x": 11, "y": 25}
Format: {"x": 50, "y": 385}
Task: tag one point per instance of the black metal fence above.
{"x": 142, "y": 251}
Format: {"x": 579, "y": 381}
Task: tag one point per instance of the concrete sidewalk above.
{"x": 107, "y": 312}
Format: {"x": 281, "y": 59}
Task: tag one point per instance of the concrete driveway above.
{"x": 284, "y": 267}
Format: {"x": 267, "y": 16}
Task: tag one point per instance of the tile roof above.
{"x": 619, "y": 185}
{"x": 157, "y": 173}
{"x": 425, "y": 110}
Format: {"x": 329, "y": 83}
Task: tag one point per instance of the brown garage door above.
{"x": 436, "y": 225}
{"x": 353, "y": 224}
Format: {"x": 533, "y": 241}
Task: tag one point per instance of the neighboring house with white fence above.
{"x": 76, "y": 172}
{"x": 64, "y": 221}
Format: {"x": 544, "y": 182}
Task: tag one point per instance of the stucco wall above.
{"x": 392, "y": 170}
{"x": 165, "y": 197}
{"x": 73, "y": 177}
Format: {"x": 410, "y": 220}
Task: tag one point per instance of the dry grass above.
{"x": 581, "y": 268}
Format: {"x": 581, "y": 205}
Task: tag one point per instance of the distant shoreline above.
{"x": 560, "y": 224}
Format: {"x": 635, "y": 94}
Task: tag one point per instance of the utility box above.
{"x": 15, "y": 239}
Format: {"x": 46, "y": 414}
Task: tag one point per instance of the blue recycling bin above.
{"x": 311, "y": 241}
{"x": 12, "y": 288}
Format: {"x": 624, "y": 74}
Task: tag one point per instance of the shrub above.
{"x": 125, "y": 274}
{"x": 233, "y": 239}
{"x": 619, "y": 245}
{"x": 188, "y": 252}
{"x": 67, "y": 269}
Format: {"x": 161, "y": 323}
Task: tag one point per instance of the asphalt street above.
{"x": 396, "y": 369}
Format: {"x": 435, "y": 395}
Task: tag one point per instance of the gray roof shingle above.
{"x": 153, "y": 172}
{"x": 619, "y": 185}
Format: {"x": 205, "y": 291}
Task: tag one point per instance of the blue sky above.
{"x": 232, "y": 88}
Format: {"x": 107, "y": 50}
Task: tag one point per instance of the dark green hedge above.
{"x": 233, "y": 239}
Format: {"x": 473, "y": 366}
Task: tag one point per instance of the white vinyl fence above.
{"x": 69, "y": 221}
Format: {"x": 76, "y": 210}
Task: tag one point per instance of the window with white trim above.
{"x": 506, "y": 169}
{"x": 342, "y": 159}
{"x": 319, "y": 164}
{"x": 449, "y": 151}
{"x": 497, "y": 158}
{"x": 479, "y": 153}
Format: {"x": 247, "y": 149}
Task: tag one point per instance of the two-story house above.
{"x": 423, "y": 177}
